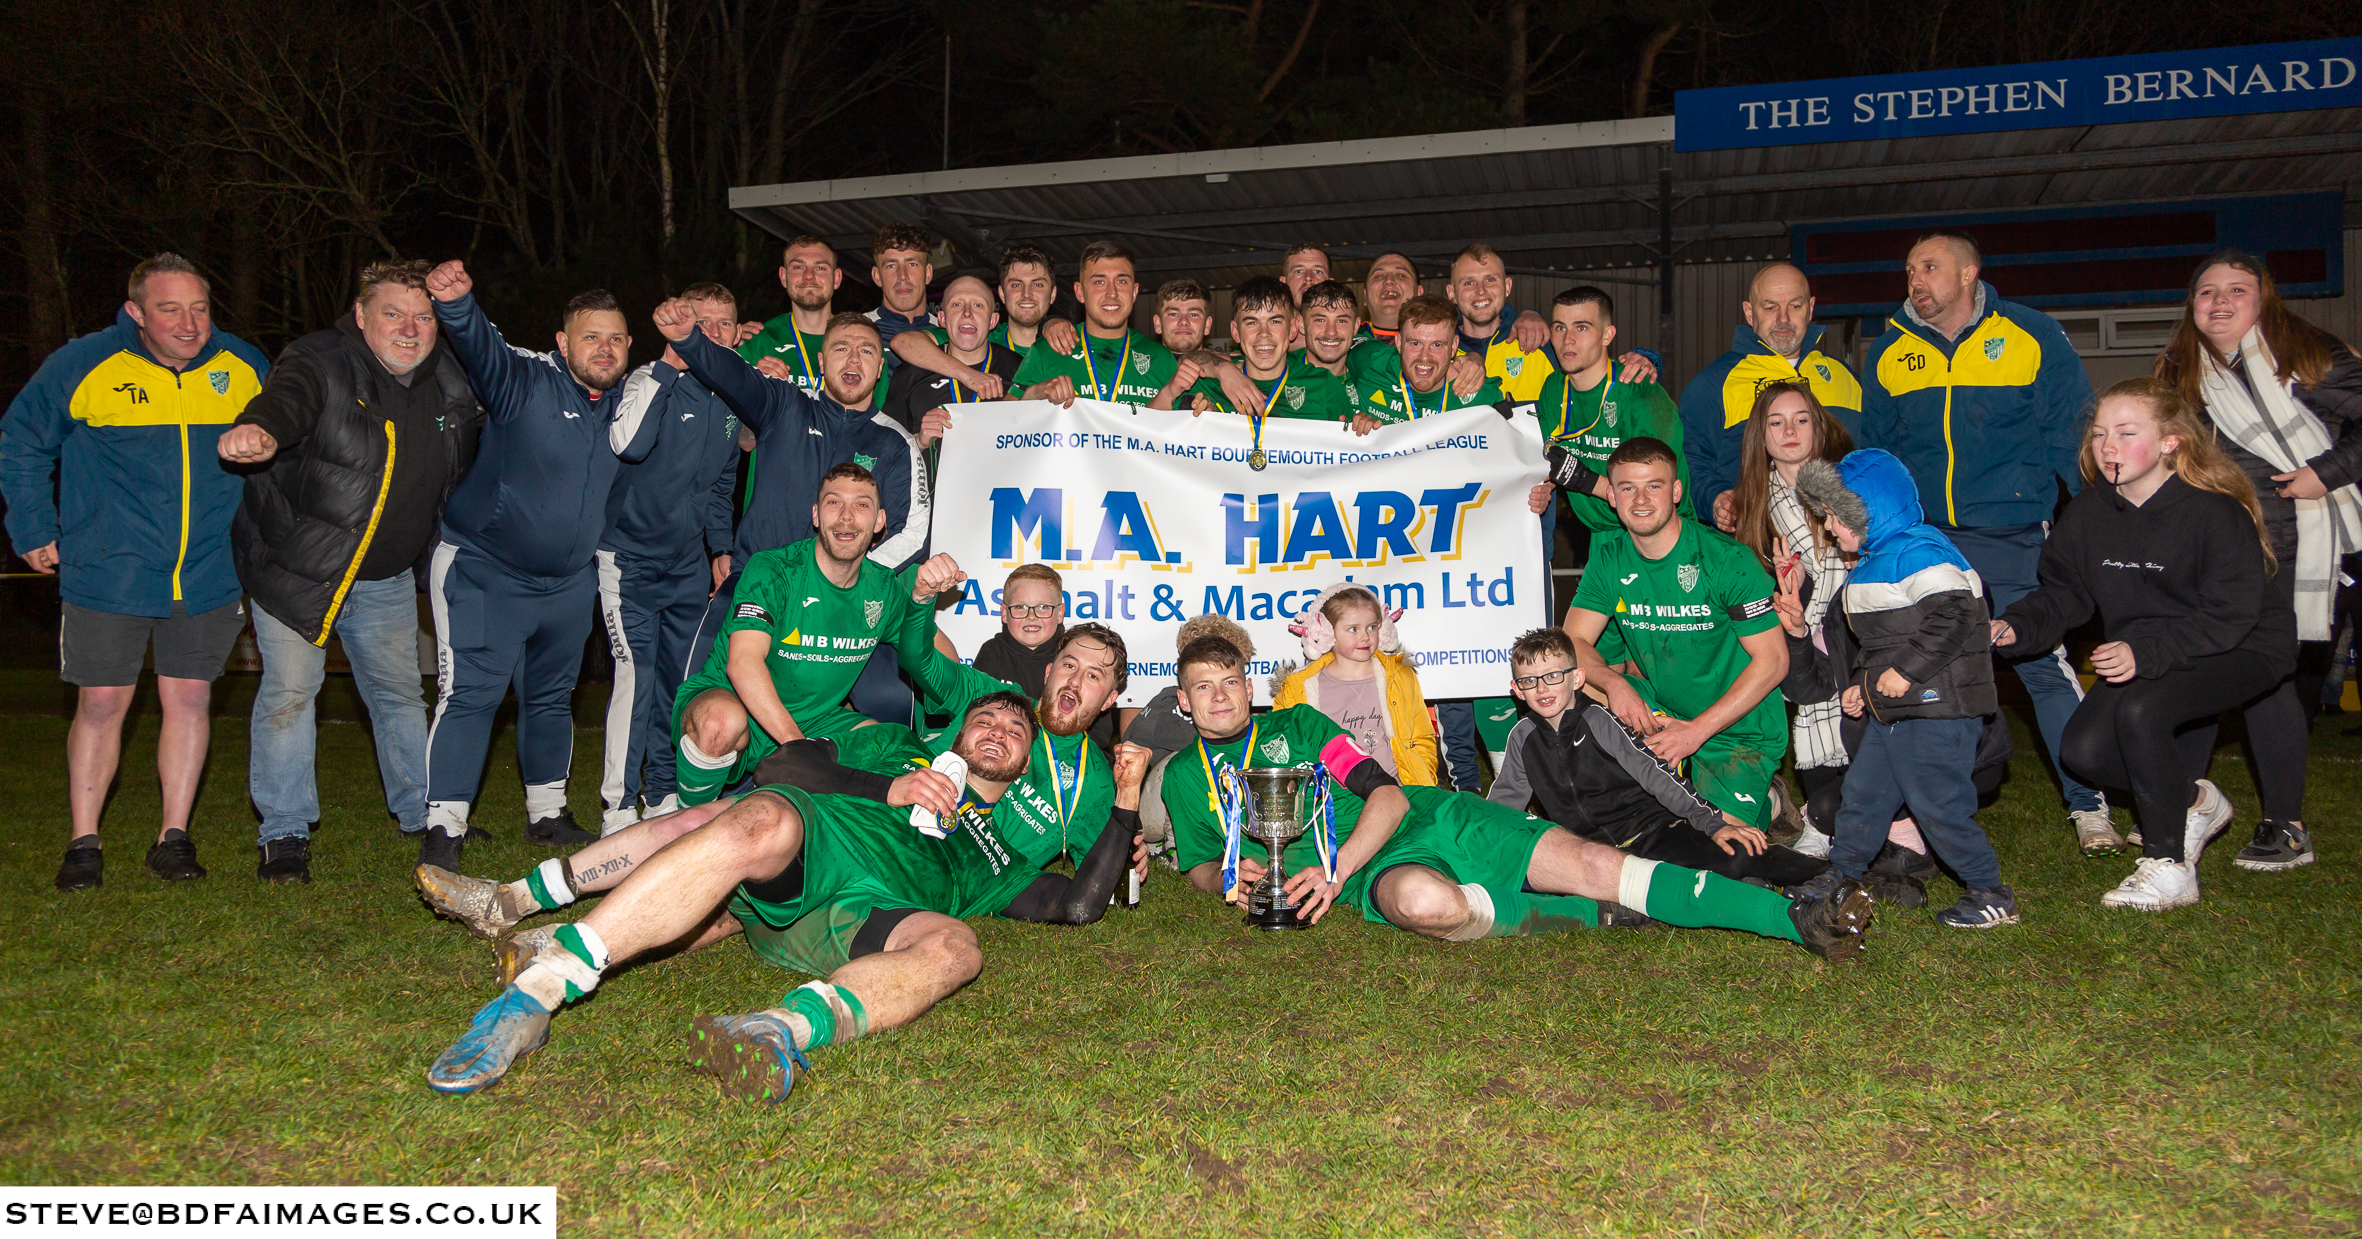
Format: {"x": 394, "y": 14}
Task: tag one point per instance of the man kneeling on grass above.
{"x": 829, "y": 882}
{"x": 1440, "y": 863}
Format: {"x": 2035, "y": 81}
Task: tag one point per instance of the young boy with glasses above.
{"x": 1033, "y": 613}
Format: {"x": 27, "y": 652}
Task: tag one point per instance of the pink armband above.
{"x": 1341, "y": 755}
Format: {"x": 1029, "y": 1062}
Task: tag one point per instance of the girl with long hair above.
{"x": 2285, "y": 399}
{"x": 2167, "y": 545}
{"x": 1786, "y": 428}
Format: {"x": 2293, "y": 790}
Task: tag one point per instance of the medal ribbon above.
{"x": 1443, "y": 396}
{"x": 1566, "y": 394}
{"x": 1324, "y": 806}
{"x": 1092, "y": 370}
{"x": 1068, "y": 805}
{"x": 1270, "y": 398}
{"x": 1226, "y": 796}
{"x": 801, "y": 351}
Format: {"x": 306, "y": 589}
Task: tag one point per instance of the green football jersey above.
{"x": 971, "y": 872}
{"x": 1394, "y": 401}
{"x": 1062, "y": 801}
{"x": 1307, "y": 391}
{"x": 1591, "y": 425}
{"x": 1350, "y": 380}
{"x": 1131, "y": 369}
{"x": 1680, "y": 618}
{"x": 822, "y": 633}
{"x": 800, "y": 351}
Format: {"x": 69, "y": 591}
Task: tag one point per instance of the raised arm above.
{"x": 1082, "y": 899}
{"x": 639, "y": 411}
{"x": 918, "y": 348}
{"x": 757, "y": 400}
{"x": 505, "y": 377}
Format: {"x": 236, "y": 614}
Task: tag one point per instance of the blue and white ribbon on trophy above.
{"x": 1324, "y": 807}
{"x": 1230, "y": 788}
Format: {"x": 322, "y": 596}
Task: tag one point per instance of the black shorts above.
{"x": 100, "y": 649}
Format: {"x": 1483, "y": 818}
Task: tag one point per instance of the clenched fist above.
{"x": 450, "y": 281}
{"x": 675, "y": 320}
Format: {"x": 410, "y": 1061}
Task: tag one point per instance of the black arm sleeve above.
{"x": 1368, "y": 777}
{"x": 1055, "y": 899}
{"x": 1568, "y": 473}
{"x": 812, "y": 765}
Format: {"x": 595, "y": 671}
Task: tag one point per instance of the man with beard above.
{"x": 356, "y": 440}
{"x": 788, "y": 347}
{"x": 803, "y": 625}
{"x": 1418, "y": 385}
{"x": 1692, "y": 610}
{"x": 1061, "y": 805}
{"x": 514, "y": 583}
{"x": 1515, "y": 356}
{"x": 1437, "y": 863}
{"x": 1777, "y": 343}
{"x": 1330, "y": 319}
{"x": 834, "y": 884}
{"x": 799, "y": 436}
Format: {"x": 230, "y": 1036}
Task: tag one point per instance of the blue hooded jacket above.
{"x": 1913, "y": 602}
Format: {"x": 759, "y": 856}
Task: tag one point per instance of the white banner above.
{"x": 1151, "y": 518}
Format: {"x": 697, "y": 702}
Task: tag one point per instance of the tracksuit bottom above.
{"x": 1679, "y": 843}
{"x": 2156, "y": 736}
{"x": 1929, "y": 764}
{"x": 652, "y": 611}
{"x": 496, "y": 629}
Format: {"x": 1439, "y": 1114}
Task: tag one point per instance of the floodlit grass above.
{"x": 1167, "y": 1072}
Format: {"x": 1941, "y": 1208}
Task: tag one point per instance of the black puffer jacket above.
{"x": 2337, "y": 401}
{"x": 310, "y": 514}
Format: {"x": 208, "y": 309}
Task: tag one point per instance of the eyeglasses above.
{"x": 1548, "y": 677}
{"x": 1043, "y": 609}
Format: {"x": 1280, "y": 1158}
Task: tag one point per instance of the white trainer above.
{"x": 2208, "y": 815}
{"x": 1811, "y": 842}
{"x": 2156, "y": 885}
{"x": 2095, "y": 832}
{"x": 618, "y": 819}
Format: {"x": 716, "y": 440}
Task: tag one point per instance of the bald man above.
{"x": 1778, "y": 341}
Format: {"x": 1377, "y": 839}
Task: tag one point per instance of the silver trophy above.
{"x": 1274, "y": 814}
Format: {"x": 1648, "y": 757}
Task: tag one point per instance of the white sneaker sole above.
{"x": 2272, "y": 866}
{"x": 2110, "y": 900}
{"x": 2202, "y": 828}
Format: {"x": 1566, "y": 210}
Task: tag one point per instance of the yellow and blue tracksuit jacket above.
{"x": 1716, "y": 404}
{"x": 141, "y": 512}
{"x": 1989, "y": 425}
{"x": 1520, "y": 373}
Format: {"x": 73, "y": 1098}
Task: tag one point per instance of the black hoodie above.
{"x": 2178, "y": 578}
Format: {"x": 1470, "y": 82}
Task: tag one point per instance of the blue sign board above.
{"x": 2272, "y": 77}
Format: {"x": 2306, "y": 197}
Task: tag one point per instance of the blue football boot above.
{"x": 504, "y": 1032}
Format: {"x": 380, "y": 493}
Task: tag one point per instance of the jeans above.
{"x": 378, "y": 626}
{"x": 1926, "y": 763}
{"x": 2005, "y": 558}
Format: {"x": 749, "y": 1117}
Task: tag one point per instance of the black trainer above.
{"x": 558, "y": 830}
{"x": 287, "y": 858}
{"x": 84, "y": 867}
{"x": 2278, "y": 847}
{"x": 174, "y": 858}
{"x": 440, "y": 849}
{"x": 1832, "y": 926}
{"x": 1613, "y": 915}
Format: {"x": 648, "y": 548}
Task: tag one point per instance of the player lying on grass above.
{"x": 832, "y": 884}
{"x": 1595, "y": 776}
{"x": 1440, "y": 863}
{"x": 1058, "y": 807}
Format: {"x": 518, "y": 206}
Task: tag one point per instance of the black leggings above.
{"x": 2155, "y": 737}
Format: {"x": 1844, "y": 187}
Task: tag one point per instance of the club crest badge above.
{"x": 1514, "y": 365}
{"x": 1821, "y": 370}
{"x": 872, "y": 611}
{"x": 1607, "y": 414}
{"x": 1276, "y": 749}
{"x": 1993, "y": 348}
{"x": 1295, "y": 397}
{"x": 220, "y": 380}
{"x": 1688, "y": 575}
{"x": 1140, "y": 363}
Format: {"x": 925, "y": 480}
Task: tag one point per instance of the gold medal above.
{"x": 1256, "y": 460}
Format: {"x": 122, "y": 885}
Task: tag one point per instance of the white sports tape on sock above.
{"x": 544, "y": 800}
{"x": 556, "y": 881}
{"x": 1480, "y": 914}
{"x": 697, "y": 757}
{"x": 1632, "y": 883}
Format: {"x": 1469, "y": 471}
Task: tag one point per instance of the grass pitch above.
{"x": 1167, "y": 1072}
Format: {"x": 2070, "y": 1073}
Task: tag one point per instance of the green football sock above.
{"x": 1524, "y": 913}
{"x": 821, "y": 1014}
{"x": 567, "y": 971}
{"x": 700, "y": 777}
{"x": 1696, "y": 899}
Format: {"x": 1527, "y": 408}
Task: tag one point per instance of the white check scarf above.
{"x": 2286, "y": 435}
